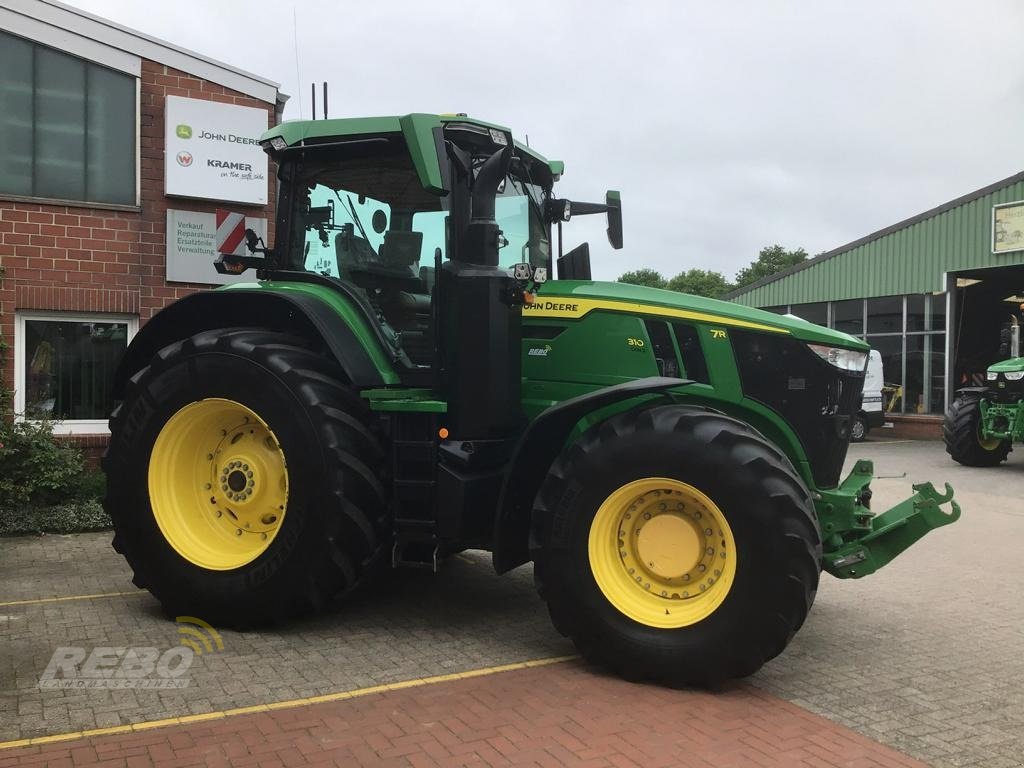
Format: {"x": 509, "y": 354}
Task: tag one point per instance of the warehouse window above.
{"x": 848, "y": 316}
{"x": 885, "y": 314}
{"x": 64, "y": 367}
{"x": 816, "y": 313}
{"x": 67, "y": 126}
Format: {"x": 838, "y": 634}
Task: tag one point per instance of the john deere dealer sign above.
{"x": 213, "y": 151}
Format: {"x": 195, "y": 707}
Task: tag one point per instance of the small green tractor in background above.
{"x": 983, "y": 423}
{"x": 402, "y": 382}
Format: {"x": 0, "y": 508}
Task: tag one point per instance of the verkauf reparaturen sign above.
{"x": 192, "y": 244}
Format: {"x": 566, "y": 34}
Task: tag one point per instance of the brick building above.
{"x": 84, "y": 201}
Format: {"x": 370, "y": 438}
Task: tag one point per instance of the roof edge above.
{"x": 148, "y": 47}
{"x": 930, "y": 213}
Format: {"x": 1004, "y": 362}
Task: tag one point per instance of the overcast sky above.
{"x": 727, "y": 126}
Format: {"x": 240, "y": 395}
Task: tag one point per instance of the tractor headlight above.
{"x": 1014, "y": 375}
{"x": 991, "y": 376}
{"x": 845, "y": 359}
{"x": 277, "y": 144}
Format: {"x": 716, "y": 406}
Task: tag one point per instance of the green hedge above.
{"x": 73, "y": 517}
{"x": 44, "y": 483}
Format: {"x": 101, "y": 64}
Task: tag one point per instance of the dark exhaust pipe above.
{"x": 481, "y": 244}
{"x": 480, "y": 322}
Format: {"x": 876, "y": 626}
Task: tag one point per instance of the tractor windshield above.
{"x": 364, "y": 217}
{"x": 517, "y": 210}
{"x": 358, "y": 212}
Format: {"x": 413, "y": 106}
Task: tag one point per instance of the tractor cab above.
{"x": 379, "y": 206}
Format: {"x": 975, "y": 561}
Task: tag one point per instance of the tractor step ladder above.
{"x": 414, "y": 490}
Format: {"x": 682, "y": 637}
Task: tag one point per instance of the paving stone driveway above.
{"x": 927, "y": 656}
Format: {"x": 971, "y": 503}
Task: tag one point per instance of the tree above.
{"x": 647, "y": 277}
{"x": 700, "y": 282}
{"x": 772, "y": 259}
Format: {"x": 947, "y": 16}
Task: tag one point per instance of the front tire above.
{"x": 961, "y": 431}
{"x": 242, "y": 479}
{"x": 677, "y": 605}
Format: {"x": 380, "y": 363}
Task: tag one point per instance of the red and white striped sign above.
{"x": 230, "y": 232}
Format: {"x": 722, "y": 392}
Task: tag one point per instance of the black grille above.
{"x": 818, "y": 400}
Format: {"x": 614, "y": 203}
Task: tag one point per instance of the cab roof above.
{"x": 416, "y": 127}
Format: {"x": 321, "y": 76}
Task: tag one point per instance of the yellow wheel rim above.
{"x": 218, "y": 484}
{"x": 988, "y": 445}
{"x": 662, "y": 553}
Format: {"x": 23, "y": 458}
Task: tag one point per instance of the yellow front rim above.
{"x": 218, "y": 484}
{"x": 988, "y": 445}
{"x": 662, "y": 552}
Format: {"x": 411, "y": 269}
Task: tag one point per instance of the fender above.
{"x": 982, "y": 391}
{"x": 538, "y": 448}
{"x": 297, "y": 313}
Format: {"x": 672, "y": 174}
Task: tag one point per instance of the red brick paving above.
{"x": 561, "y": 715}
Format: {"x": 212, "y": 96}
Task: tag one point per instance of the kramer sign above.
{"x": 192, "y": 244}
{"x": 213, "y": 152}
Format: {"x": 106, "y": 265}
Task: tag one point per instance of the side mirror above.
{"x": 614, "y": 202}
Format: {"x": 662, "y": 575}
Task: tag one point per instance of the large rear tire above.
{"x": 243, "y": 479}
{"x": 961, "y": 431}
{"x": 676, "y": 545}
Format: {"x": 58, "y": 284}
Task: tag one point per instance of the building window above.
{"x": 67, "y": 126}
{"x": 64, "y": 368}
{"x": 812, "y": 313}
{"x": 885, "y": 315}
{"x": 848, "y": 316}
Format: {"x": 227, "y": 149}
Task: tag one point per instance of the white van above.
{"x": 871, "y": 414}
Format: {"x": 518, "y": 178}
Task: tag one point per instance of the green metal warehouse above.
{"x": 929, "y": 293}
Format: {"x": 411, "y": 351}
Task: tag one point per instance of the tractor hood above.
{"x": 1013, "y": 365}
{"x": 570, "y": 298}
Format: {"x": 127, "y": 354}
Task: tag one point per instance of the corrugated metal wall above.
{"x": 910, "y": 260}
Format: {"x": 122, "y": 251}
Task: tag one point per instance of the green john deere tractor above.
{"x": 983, "y": 422}
{"x": 401, "y": 382}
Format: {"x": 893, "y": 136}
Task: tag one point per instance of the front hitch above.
{"x": 857, "y": 542}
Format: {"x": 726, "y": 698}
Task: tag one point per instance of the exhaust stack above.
{"x": 480, "y": 319}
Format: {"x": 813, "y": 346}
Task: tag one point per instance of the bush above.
{"x": 44, "y": 484}
{"x": 75, "y": 517}
{"x": 34, "y": 467}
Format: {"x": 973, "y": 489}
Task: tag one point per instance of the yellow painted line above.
{"x": 415, "y": 682}
{"x": 97, "y": 596}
